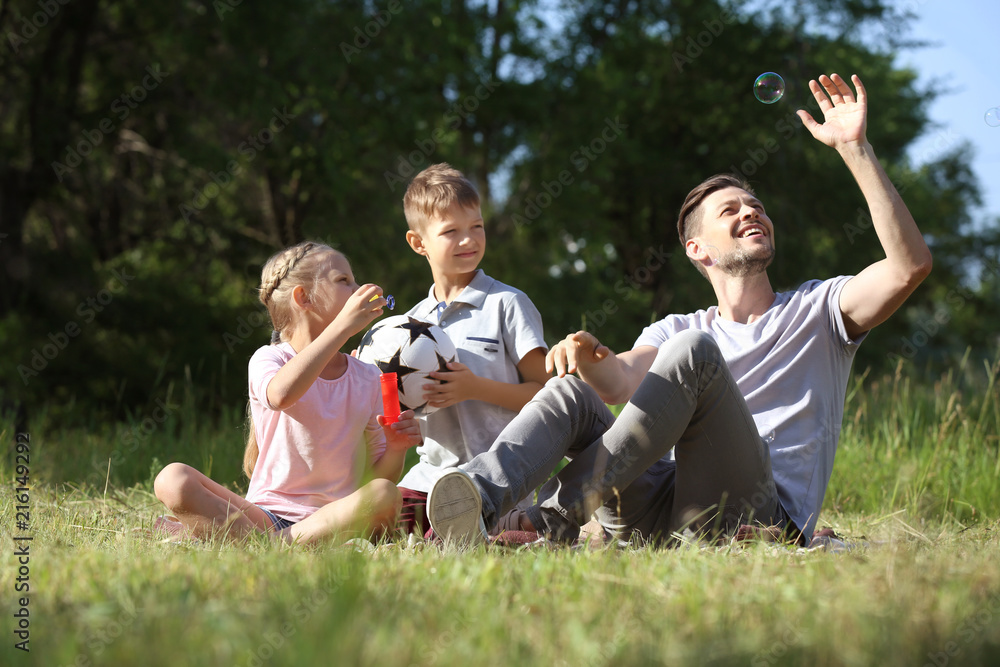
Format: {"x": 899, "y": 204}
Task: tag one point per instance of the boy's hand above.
{"x": 402, "y": 434}
{"x": 459, "y": 385}
{"x": 567, "y": 355}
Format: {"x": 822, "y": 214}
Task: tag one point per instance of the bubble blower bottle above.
{"x": 390, "y": 398}
{"x": 390, "y": 302}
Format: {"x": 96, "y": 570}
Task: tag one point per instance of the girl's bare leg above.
{"x": 205, "y": 507}
{"x": 369, "y": 511}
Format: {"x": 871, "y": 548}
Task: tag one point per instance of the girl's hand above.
{"x": 402, "y": 434}
{"x": 457, "y": 385}
{"x": 360, "y": 309}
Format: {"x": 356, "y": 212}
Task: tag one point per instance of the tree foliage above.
{"x": 153, "y": 156}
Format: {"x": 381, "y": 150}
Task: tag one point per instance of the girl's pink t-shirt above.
{"x": 315, "y": 451}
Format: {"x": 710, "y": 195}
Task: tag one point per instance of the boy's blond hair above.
{"x": 433, "y": 190}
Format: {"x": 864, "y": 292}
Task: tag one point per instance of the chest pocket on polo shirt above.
{"x": 484, "y": 347}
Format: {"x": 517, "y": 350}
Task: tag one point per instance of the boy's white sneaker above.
{"x": 455, "y": 509}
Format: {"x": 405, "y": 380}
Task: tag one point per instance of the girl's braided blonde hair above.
{"x": 298, "y": 265}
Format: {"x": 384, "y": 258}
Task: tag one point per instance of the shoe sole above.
{"x": 454, "y": 508}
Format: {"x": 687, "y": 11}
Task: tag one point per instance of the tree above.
{"x": 153, "y": 156}
{"x": 195, "y": 139}
{"x": 676, "y": 77}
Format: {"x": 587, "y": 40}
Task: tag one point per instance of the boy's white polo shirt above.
{"x": 492, "y": 326}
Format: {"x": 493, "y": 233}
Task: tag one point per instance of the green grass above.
{"x": 916, "y": 480}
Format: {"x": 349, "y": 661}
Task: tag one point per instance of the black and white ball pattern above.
{"x": 411, "y": 349}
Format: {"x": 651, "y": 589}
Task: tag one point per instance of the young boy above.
{"x": 496, "y": 329}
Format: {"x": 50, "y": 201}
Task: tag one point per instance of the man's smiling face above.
{"x": 734, "y": 224}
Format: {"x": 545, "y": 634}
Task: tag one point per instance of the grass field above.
{"x": 916, "y": 489}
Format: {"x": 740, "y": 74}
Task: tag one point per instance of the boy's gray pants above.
{"x": 620, "y": 469}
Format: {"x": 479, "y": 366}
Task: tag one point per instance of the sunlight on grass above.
{"x": 914, "y": 490}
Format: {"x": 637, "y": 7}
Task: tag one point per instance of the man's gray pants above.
{"x": 619, "y": 469}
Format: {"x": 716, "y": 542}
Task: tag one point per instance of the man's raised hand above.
{"x": 576, "y": 348}
{"x": 845, "y": 116}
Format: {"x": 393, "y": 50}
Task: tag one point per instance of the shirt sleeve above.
{"x": 522, "y": 331}
{"x": 657, "y": 333}
{"x": 264, "y": 364}
{"x": 835, "y": 315}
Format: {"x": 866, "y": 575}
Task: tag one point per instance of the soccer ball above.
{"x": 411, "y": 349}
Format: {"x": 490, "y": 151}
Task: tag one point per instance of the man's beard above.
{"x": 741, "y": 263}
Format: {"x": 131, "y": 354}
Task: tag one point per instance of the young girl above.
{"x": 315, "y": 418}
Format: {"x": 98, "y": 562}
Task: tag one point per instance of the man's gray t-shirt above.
{"x": 493, "y": 326}
{"x": 792, "y": 367}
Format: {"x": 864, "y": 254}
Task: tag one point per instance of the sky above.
{"x": 964, "y": 55}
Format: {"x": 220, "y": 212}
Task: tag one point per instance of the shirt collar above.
{"x": 474, "y": 293}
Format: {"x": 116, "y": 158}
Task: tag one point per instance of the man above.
{"x": 748, "y": 393}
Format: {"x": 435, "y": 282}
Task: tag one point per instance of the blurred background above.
{"x": 153, "y": 155}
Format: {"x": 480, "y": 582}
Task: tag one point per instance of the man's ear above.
{"x": 700, "y": 252}
{"x": 416, "y": 242}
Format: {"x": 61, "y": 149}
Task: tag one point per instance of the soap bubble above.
{"x": 993, "y": 117}
{"x": 769, "y": 87}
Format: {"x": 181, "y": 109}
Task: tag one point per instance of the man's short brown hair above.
{"x": 690, "y": 216}
{"x": 433, "y": 190}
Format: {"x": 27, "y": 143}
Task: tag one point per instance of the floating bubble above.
{"x": 769, "y": 87}
{"x": 993, "y": 117}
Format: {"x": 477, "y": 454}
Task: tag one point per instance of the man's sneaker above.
{"x": 455, "y": 509}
